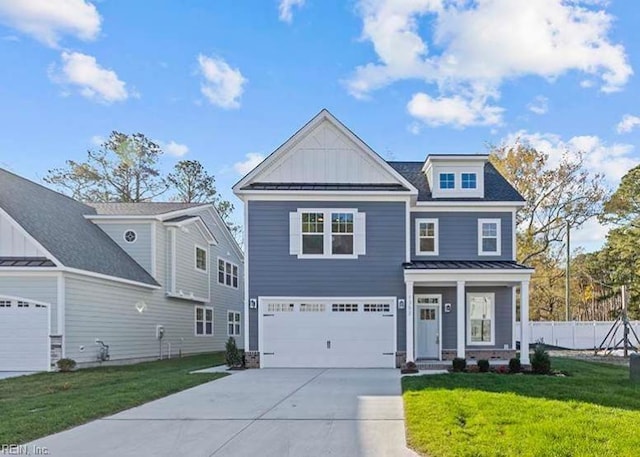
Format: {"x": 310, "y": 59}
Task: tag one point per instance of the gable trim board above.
{"x": 284, "y": 151}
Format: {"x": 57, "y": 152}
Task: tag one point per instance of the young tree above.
{"x": 123, "y": 169}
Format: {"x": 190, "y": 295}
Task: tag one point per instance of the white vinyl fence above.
{"x": 574, "y": 334}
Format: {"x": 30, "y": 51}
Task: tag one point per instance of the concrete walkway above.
{"x": 266, "y": 413}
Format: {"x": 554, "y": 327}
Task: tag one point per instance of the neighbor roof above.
{"x": 140, "y": 209}
{"x": 58, "y": 223}
{"x": 496, "y": 187}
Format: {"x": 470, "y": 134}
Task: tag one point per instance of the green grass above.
{"x": 593, "y": 412}
{"x": 40, "y": 404}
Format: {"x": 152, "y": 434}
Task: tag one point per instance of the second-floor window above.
{"x": 489, "y": 237}
{"x": 201, "y": 259}
{"x": 468, "y": 180}
{"x": 447, "y": 180}
{"x": 327, "y": 233}
{"x": 427, "y": 236}
{"x": 227, "y": 273}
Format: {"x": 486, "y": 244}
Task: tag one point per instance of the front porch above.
{"x": 466, "y": 310}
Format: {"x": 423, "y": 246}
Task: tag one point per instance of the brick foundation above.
{"x": 401, "y": 358}
{"x": 478, "y": 354}
{"x": 252, "y": 359}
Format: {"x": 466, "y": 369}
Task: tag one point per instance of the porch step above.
{"x": 433, "y": 365}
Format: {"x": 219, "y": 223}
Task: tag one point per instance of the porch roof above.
{"x": 464, "y": 265}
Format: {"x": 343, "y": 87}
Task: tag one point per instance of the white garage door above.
{"x": 24, "y": 335}
{"x": 327, "y": 332}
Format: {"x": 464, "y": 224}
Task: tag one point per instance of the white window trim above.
{"x": 498, "y": 223}
{"x": 436, "y": 234}
{"x": 204, "y": 321}
{"x": 234, "y": 323}
{"x": 326, "y": 234}
{"x": 195, "y": 258}
{"x": 462, "y": 173}
{"x": 224, "y": 283}
{"x": 440, "y": 173}
{"x": 493, "y": 318}
{"x": 125, "y": 238}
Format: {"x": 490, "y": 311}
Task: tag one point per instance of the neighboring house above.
{"x": 121, "y": 273}
{"x": 352, "y": 261}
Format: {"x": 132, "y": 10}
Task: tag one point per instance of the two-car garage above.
{"x": 327, "y": 332}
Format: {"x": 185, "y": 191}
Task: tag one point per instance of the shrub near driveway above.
{"x": 45, "y": 403}
{"x": 592, "y": 412}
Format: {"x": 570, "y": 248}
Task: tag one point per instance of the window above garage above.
{"x": 327, "y": 233}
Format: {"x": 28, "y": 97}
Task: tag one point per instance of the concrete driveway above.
{"x": 269, "y": 412}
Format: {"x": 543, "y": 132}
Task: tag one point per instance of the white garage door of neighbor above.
{"x": 24, "y": 336}
{"x": 358, "y": 333}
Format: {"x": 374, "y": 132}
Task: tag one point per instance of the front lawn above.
{"x": 593, "y": 412}
{"x": 40, "y": 404}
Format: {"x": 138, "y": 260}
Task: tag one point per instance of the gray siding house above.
{"x": 353, "y": 261}
{"x": 148, "y": 280}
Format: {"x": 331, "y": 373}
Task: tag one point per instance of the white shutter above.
{"x": 294, "y": 233}
{"x": 360, "y": 237}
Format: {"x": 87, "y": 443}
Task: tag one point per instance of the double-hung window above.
{"x": 426, "y": 236}
{"x": 327, "y": 233}
{"x": 480, "y": 322}
{"x": 468, "y": 180}
{"x": 233, "y": 323}
{"x": 204, "y": 321}
{"x": 227, "y": 273}
{"x": 447, "y": 180}
{"x": 489, "y": 237}
{"x": 201, "y": 259}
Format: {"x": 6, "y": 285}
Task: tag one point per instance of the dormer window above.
{"x": 447, "y": 180}
{"x": 469, "y": 181}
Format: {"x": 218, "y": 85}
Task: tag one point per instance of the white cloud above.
{"x": 97, "y": 140}
{"x": 591, "y": 236}
{"x": 611, "y": 160}
{"x": 251, "y": 161}
{"x": 222, "y": 85}
{"x": 539, "y": 105}
{"x": 93, "y": 81}
{"x": 474, "y": 46}
{"x": 628, "y": 123}
{"x": 286, "y": 9}
{"x": 455, "y": 110}
{"x": 174, "y": 149}
{"x": 48, "y": 20}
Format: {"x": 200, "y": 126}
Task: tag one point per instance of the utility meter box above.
{"x": 159, "y": 331}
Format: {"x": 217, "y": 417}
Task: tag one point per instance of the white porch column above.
{"x": 460, "y": 318}
{"x": 524, "y": 322}
{"x": 409, "y": 321}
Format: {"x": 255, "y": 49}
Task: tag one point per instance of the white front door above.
{"x": 327, "y": 332}
{"x": 428, "y": 326}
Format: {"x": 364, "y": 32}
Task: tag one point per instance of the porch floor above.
{"x": 430, "y": 364}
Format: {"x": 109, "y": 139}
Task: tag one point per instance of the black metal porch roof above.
{"x": 26, "y": 262}
{"x": 464, "y": 265}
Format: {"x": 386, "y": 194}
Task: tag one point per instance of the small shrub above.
{"x": 502, "y": 369}
{"x": 483, "y": 366}
{"x": 232, "y": 355}
{"x": 540, "y": 362}
{"x": 514, "y": 365}
{"x": 409, "y": 367}
{"x": 459, "y": 364}
{"x": 66, "y": 365}
{"x": 473, "y": 369}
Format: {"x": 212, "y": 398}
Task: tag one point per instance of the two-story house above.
{"x": 148, "y": 280}
{"x": 353, "y": 261}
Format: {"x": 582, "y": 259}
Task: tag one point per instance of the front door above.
{"x": 428, "y": 327}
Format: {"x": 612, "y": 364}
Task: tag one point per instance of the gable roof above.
{"x": 140, "y": 209}
{"x": 496, "y": 187}
{"x": 58, "y": 223}
{"x": 361, "y": 156}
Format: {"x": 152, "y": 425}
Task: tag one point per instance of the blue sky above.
{"x": 226, "y": 82}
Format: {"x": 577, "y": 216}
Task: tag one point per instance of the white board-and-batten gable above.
{"x": 324, "y": 151}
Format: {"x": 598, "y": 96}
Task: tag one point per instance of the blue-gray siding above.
{"x": 274, "y": 272}
{"x": 503, "y": 308}
{"x": 140, "y": 249}
{"x": 458, "y": 235}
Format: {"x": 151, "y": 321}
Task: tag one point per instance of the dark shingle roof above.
{"x": 26, "y": 262}
{"x": 58, "y": 223}
{"x": 325, "y": 186}
{"x": 496, "y": 187}
{"x": 464, "y": 265}
{"x": 140, "y": 209}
